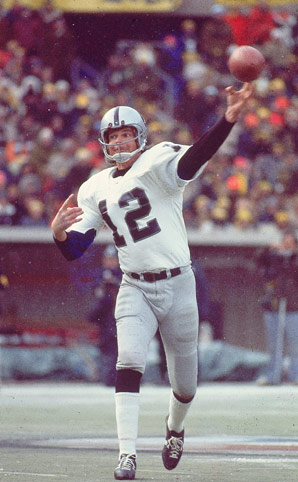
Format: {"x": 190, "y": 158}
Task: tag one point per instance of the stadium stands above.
{"x": 51, "y": 103}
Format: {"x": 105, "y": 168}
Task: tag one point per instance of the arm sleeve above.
{"x": 203, "y": 149}
{"x": 75, "y": 244}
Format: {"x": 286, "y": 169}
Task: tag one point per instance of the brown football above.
{"x": 246, "y": 63}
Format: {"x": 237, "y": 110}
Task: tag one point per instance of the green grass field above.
{"x": 66, "y": 432}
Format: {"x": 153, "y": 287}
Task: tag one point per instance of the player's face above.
{"x": 123, "y": 140}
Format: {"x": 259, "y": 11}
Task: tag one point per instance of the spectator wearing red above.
{"x": 238, "y": 23}
{"x": 26, "y": 28}
{"x": 260, "y": 24}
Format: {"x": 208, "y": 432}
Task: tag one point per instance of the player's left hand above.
{"x": 236, "y": 100}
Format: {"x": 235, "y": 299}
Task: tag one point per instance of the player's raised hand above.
{"x": 67, "y": 215}
{"x": 236, "y": 100}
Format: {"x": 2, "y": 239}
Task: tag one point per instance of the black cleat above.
{"x": 126, "y": 468}
{"x": 173, "y": 448}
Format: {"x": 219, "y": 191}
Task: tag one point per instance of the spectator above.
{"x": 42, "y": 151}
{"x": 103, "y": 315}
{"x": 214, "y": 39}
{"x": 4, "y": 284}
{"x": 170, "y": 59}
{"x": 79, "y": 171}
{"x": 57, "y": 48}
{"x": 49, "y": 13}
{"x": 7, "y": 210}
{"x": 61, "y": 161}
{"x": 35, "y": 216}
{"x": 14, "y": 198}
{"x": 238, "y": 21}
{"x": 4, "y": 28}
{"x": 209, "y": 308}
{"x": 279, "y": 267}
{"x": 25, "y": 27}
{"x": 260, "y": 24}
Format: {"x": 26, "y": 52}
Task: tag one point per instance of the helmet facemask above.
{"x": 120, "y": 156}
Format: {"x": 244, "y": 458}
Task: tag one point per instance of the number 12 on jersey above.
{"x": 131, "y": 217}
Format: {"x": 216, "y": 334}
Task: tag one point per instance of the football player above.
{"x": 139, "y": 198}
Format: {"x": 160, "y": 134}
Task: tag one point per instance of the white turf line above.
{"x": 31, "y": 473}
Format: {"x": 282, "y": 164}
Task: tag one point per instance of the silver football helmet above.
{"x": 114, "y": 119}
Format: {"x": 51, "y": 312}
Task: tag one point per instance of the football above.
{"x": 246, "y": 63}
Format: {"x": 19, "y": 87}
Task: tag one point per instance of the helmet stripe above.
{"x": 116, "y": 116}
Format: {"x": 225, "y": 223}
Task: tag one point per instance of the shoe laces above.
{"x": 175, "y": 445}
{"x": 127, "y": 462}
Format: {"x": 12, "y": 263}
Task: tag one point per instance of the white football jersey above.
{"x": 143, "y": 209}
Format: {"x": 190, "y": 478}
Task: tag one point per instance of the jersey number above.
{"x": 152, "y": 227}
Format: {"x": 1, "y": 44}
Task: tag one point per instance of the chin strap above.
{"x": 121, "y": 156}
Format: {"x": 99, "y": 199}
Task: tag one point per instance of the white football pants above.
{"x": 171, "y": 305}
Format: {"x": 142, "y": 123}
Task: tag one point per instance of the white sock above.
{"x": 127, "y": 417}
{"x": 177, "y": 413}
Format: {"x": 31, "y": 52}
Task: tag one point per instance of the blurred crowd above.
{"x": 49, "y": 123}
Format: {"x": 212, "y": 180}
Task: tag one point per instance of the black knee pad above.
{"x": 183, "y": 400}
{"x": 128, "y": 380}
